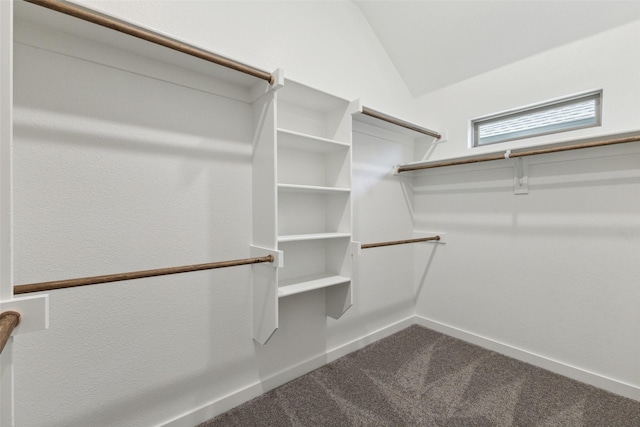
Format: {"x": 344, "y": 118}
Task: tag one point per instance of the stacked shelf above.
{"x": 314, "y": 194}
{"x": 301, "y": 200}
{"x": 309, "y": 283}
{"x": 296, "y": 188}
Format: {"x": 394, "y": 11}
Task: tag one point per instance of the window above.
{"x": 572, "y": 113}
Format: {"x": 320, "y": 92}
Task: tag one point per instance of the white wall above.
{"x": 604, "y": 61}
{"x": 326, "y": 45}
{"x": 116, "y": 172}
{"x": 382, "y": 211}
{"x": 554, "y": 272}
{"x": 128, "y": 173}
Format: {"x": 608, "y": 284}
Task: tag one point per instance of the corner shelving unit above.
{"x": 314, "y": 194}
{"x": 311, "y": 186}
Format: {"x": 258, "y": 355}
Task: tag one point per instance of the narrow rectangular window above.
{"x": 572, "y": 113}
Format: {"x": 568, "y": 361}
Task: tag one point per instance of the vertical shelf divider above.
{"x": 340, "y": 298}
{"x": 264, "y": 213}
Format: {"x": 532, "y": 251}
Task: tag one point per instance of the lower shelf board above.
{"x": 311, "y": 189}
{"x": 309, "y": 283}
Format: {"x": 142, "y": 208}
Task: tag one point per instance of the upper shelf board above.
{"x": 300, "y": 94}
{"x": 373, "y": 121}
{"x": 78, "y": 28}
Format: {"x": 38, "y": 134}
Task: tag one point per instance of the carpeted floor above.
{"x": 419, "y": 377}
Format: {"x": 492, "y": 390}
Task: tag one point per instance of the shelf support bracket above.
{"x": 521, "y": 178}
{"x": 265, "y": 293}
{"x": 339, "y": 298}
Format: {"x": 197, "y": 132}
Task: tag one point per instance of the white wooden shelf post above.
{"x": 34, "y": 310}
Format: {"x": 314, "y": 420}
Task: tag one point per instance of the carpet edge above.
{"x": 561, "y": 368}
{"x": 251, "y": 391}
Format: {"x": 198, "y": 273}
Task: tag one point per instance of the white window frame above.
{"x": 550, "y": 104}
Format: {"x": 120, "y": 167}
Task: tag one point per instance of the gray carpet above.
{"x": 418, "y": 377}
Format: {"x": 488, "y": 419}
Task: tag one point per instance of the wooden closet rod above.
{"x": 8, "y": 322}
{"x": 390, "y": 119}
{"x": 510, "y": 155}
{"x": 84, "y": 281}
{"x": 398, "y": 242}
{"x": 150, "y": 36}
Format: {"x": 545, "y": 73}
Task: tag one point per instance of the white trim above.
{"x": 6, "y": 189}
{"x": 256, "y": 389}
{"x": 551, "y": 101}
{"x": 474, "y": 142}
{"x": 216, "y": 407}
{"x": 340, "y": 351}
{"x": 573, "y": 372}
{"x": 6, "y": 151}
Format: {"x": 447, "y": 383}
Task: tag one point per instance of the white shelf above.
{"x": 372, "y": 121}
{"x": 296, "y": 188}
{"x": 58, "y": 32}
{"x": 314, "y": 236}
{"x": 312, "y": 212}
{"x": 303, "y": 141}
{"x": 394, "y": 124}
{"x": 309, "y": 97}
{"x": 309, "y": 283}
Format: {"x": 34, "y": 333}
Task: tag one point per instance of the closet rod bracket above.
{"x": 34, "y": 312}
{"x": 395, "y": 170}
{"x": 356, "y": 248}
{"x": 277, "y": 256}
{"x": 9, "y": 320}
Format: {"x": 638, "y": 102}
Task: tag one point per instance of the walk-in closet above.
{"x": 315, "y": 213}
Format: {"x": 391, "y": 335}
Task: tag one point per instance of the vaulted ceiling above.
{"x": 436, "y": 43}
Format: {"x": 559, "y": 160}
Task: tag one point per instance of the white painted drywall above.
{"x": 382, "y": 211}
{"x": 326, "y": 45}
{"x": 115, "y": 171}
{"x": 443, "y": 42}
{"x": 605, "y": 61}
{"x": 554, "y": 272}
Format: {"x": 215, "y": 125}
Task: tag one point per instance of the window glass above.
{"x": 559, "y": 116}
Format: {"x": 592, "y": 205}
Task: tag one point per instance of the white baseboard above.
{"x": 370, "y": 338}
{"x": 578, "y": 374}
{"x": 254, "y": 390}
{"x": 217, "y": 407}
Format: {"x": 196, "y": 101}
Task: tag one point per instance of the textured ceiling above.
{"x": 436, "y": 43}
